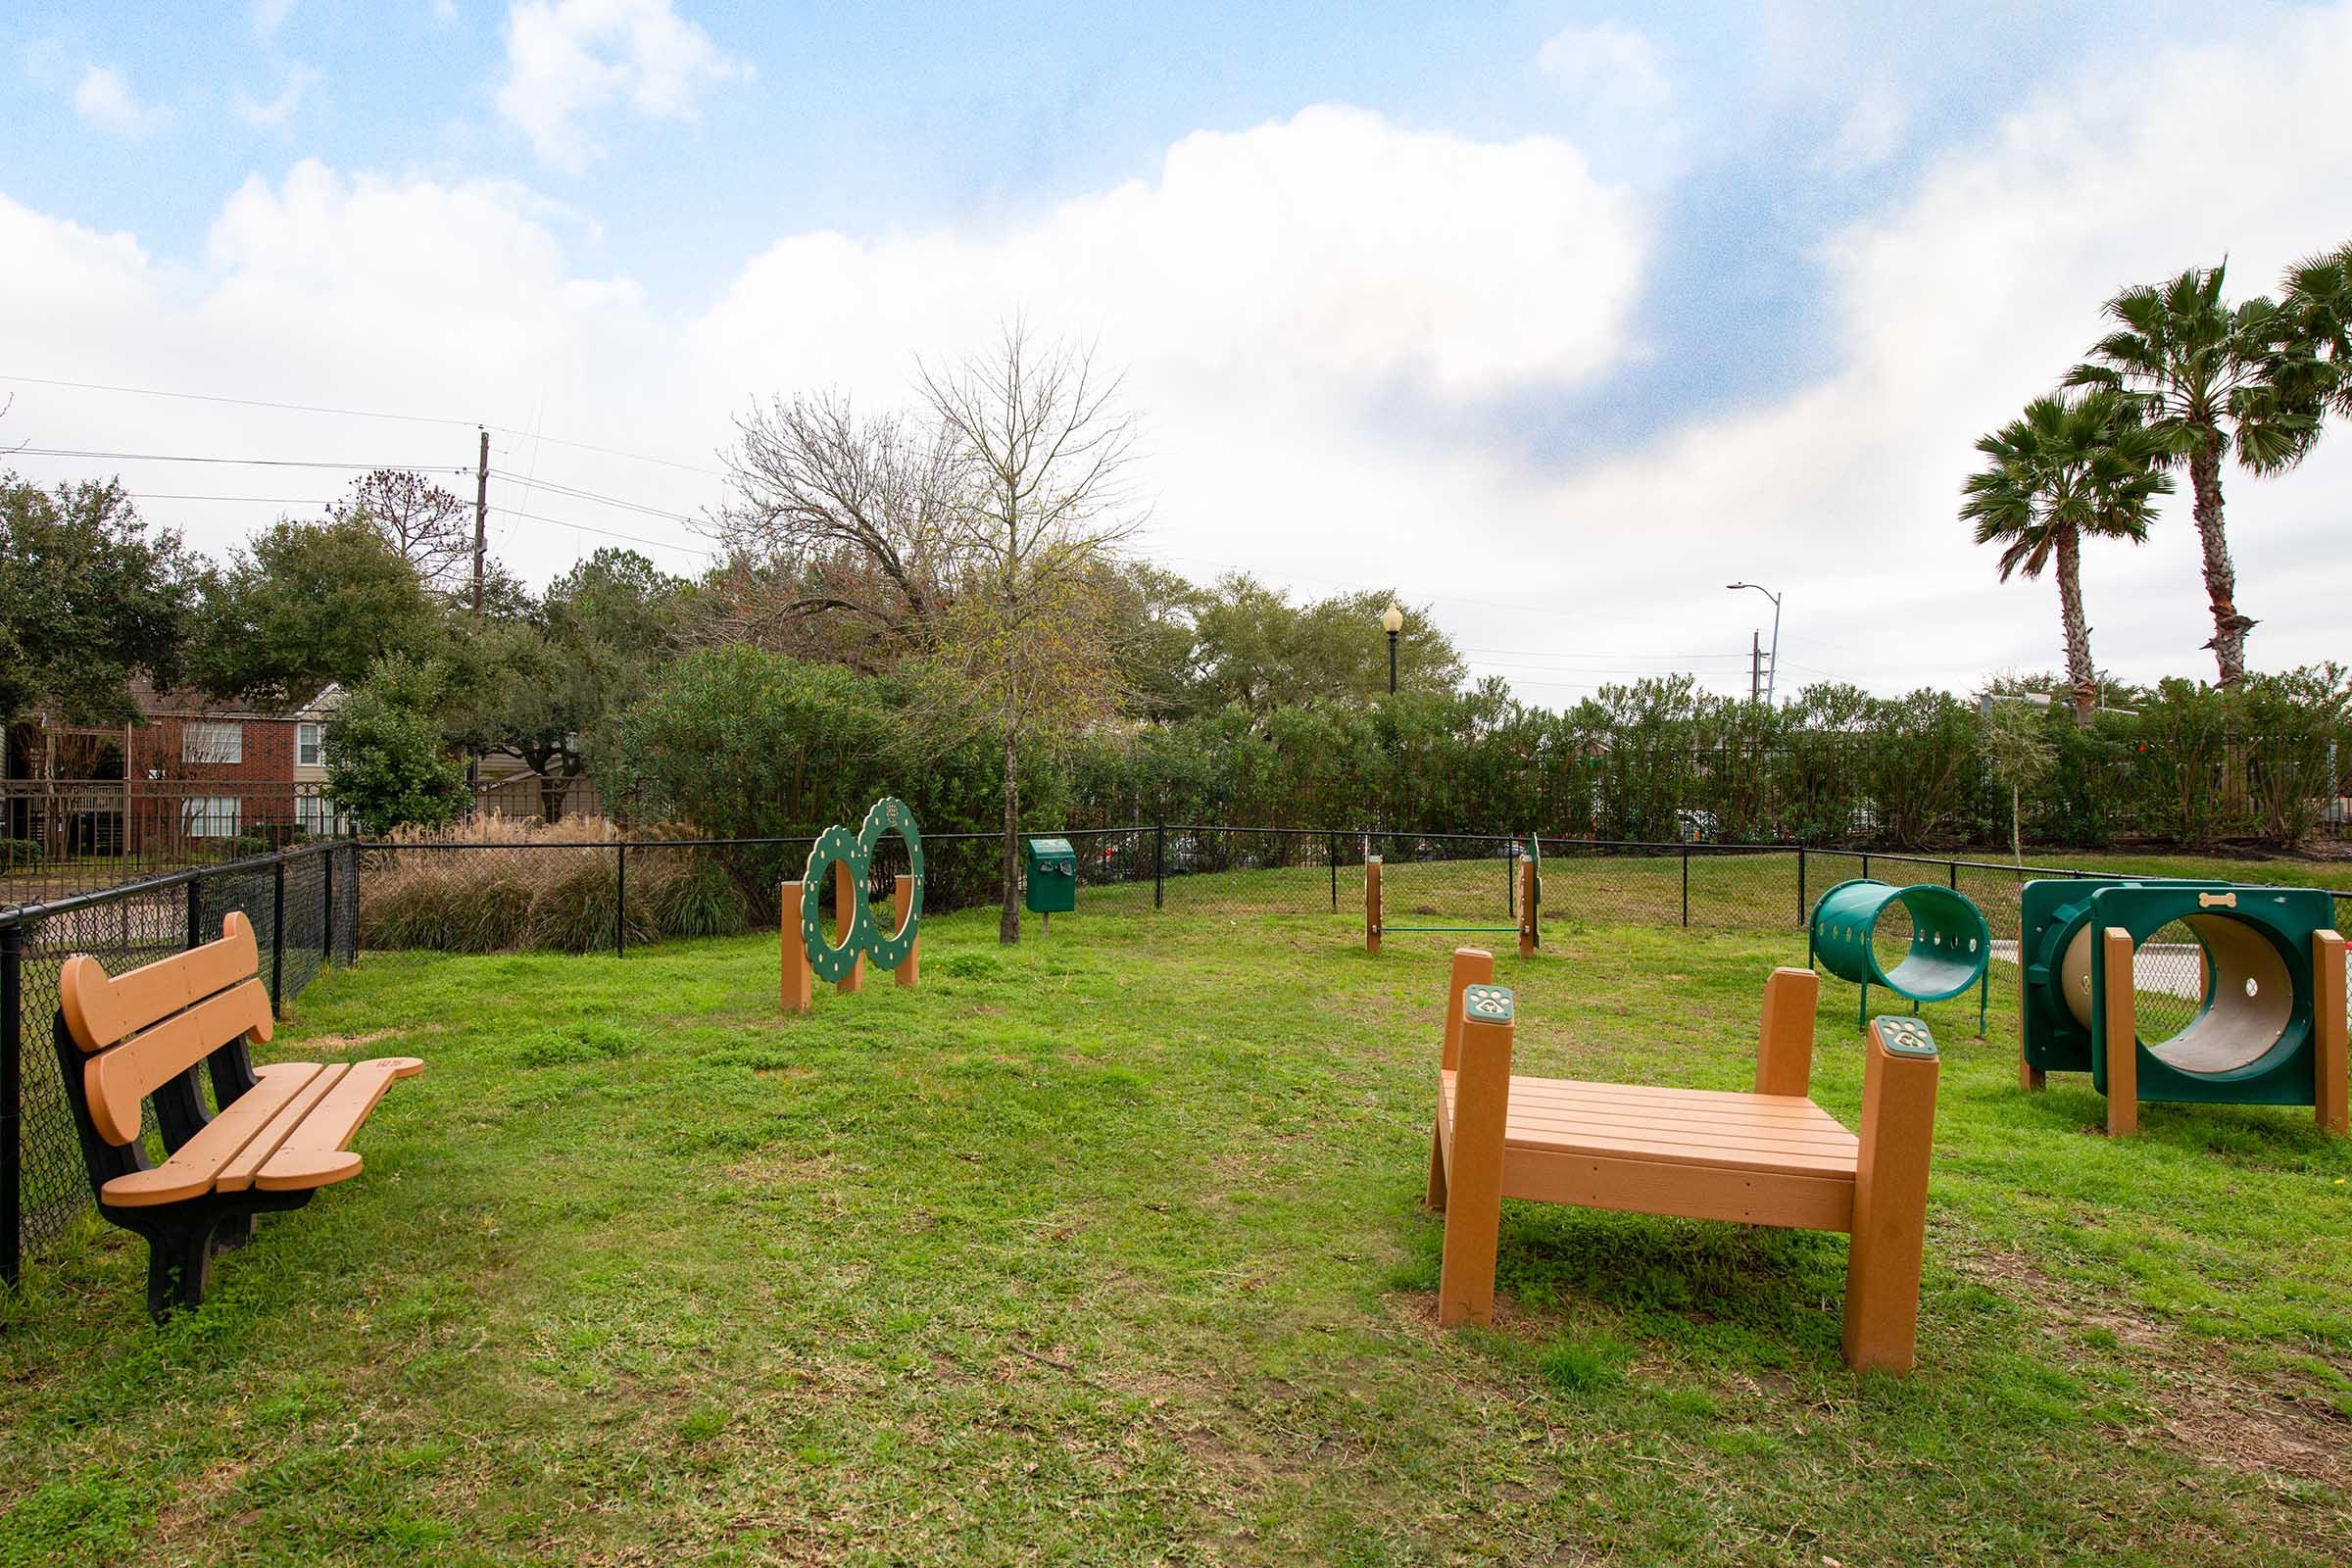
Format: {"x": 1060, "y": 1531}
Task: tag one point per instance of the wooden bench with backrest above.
{"x": 1767, "y": 1157}
{"x": 276, "y": 1137}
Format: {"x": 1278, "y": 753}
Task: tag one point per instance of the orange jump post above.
{"x": 2329, "y": 1101}
{"x": 1767, "y": 1157}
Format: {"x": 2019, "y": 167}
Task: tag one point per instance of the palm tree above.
{"x": 2316, "y": 298}
{"x": 2209, "y": 379}
{"x": 2067, "y": 470}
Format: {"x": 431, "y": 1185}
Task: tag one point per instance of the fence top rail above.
{"x": 17, "y": 915}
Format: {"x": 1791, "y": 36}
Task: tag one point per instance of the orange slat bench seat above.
{"x": 1767, "y": 1157}
{"x": 278, "y": 1137}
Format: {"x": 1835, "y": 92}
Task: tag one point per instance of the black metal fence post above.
{"x": 1866, "y": 865}
{"x": 351, "y": 939}
{"x": 1686, "y": 884}
{"x": 326, "y": 906}
{"x": 1160, "y": 863}
{"x": 1510, "y": 884}
{"x": 1331, "y": 854}
{"x": 620, "y": 900}
{"x": 195, "y": 932}
{"x": 1954, "y": 878}
{"x": 11, "y": 1094}
{"x": 1801, "y": 910}
{"x": 278, "y": 937}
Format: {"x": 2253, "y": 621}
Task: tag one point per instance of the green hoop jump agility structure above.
{"x": 2269, "y": 1027}
{"x": 1950, "y": 951}
{"x": 1530, "y": 926}
{"x": 841, "y": 960}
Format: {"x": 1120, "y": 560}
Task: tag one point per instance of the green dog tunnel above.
{"x": 1949, "y": 948}
{"x": 2268, "y": 1015}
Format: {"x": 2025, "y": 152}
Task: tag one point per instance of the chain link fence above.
{"x": 319, "y": 904}
{"x": 304, "y": 906}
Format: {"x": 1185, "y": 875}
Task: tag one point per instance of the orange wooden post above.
{"x": 1472, "y": 966}
{"x": 800, "y": 981}
{"x": 1526, "y": 906}
{"x": 847, "y": 895}
{"x": 2120, "y": 1039}
{"x": 1481, "y": 1100}
{"x": 911, "y": 971}
{"x": 1891, "y": 1197}
{"x": 2329, "y": 1097}
{"x": 1372, "y": 903}
{"x": 1785, "y": 1039}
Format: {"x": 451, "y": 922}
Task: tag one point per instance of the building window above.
{"x": 317, "y": 815}
{"x": 307, "y": 750}
{"x": 212, "y": 816}
{"x": 204, "y": 740}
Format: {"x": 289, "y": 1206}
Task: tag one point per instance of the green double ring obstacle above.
{"x": 2269, "y": 1025}
{"x": 1530, "y": 926}
{"x": 1951, "y": 947}
{"x": 809, "y": 957}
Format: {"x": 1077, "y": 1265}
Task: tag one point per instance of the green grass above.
{"x": 1108, "y": 1249}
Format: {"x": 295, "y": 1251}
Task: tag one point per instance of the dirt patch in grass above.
{"x": 179, "y": 1520}
{"x": 2203, "y": 1403}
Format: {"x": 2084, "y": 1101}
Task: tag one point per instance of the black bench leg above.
{"x": 235, "y": 1232}
{"x": 179, "y": 1263}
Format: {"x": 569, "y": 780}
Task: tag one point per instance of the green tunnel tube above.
{"x": 1951, "y": 947}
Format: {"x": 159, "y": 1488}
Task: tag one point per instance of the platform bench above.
{"x": 278, "y": 1133}
{"x": 1767, "y": 1157}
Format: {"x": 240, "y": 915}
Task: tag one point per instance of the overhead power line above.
{"x": 234, "y": 462}
{"x": 359, "y": 413}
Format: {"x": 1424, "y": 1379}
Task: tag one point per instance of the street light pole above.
{"x": 1773, "y": 676}
{"x": 1391, "y": 620}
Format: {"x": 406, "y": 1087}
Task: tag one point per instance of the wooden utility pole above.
{"x": 1755, "y": 662}
{"x": 481, "y": 530}
{"x": 481, "y": 518}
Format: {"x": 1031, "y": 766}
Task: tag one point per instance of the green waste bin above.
{"x": 1049, "y": 866}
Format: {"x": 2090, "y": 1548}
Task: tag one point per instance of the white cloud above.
{"x": 103, "y": 99}
{"x": 1870, "y": 134}
{"x": 1609, "y": 65}
{"x": 1975, "y": 293}
{"x": 270, "y": 14}
{"x": 275, "y": 113}
{"x": 1323, "y": 317}
{"x": 568, "y": 59}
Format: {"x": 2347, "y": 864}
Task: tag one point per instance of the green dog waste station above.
{"x": 1049, "y": 872}
{"x": 1951, "y": 947}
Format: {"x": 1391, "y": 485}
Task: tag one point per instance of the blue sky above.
{"x": 1732, "y": 191}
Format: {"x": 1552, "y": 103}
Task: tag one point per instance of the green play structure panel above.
{"x": 2250, "y": 1040}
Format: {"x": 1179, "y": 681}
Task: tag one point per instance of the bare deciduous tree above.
{"x": 838, "y": 515}
{"x": 429, "y": 528}
{"x": 1042, "y": 449}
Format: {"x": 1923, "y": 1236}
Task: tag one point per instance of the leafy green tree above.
{"x": 2210, "y": 380}
{"x": 1259, "y": 651}
{"x": 89, "y": 598}
{"x": 535, "y": 687}
{"x": 2018, "y": 754}
{"x": 309, "y": 604}
{"x": 387, "y": 761}
{"x": 2070, "y": 470}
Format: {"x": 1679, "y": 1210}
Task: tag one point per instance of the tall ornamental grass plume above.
{"x": 502, "y": 883}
